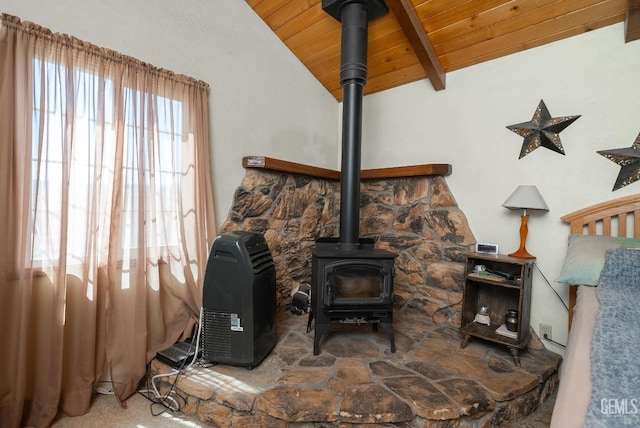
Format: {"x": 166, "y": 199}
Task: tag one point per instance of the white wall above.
{"x": 595, "y": 75}
{"x": 262, "y": 99}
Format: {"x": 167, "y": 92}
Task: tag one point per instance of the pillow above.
{"x": 585, "y": 257}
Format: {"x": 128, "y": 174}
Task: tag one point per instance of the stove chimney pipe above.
{"x": 354, "y": 16}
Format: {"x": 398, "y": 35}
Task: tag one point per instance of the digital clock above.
{"x": 484, "y": 247}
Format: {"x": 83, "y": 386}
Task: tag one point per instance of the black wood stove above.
{"x": 352, "y": 282}
{"x": 351, "y": 287}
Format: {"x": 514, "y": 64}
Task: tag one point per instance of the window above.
{"x": 77, "y": 116}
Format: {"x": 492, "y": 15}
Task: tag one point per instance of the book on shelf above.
{"x": 502, "y": 330}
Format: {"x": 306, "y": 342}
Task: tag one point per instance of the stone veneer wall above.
{"x": 415, "y": 217}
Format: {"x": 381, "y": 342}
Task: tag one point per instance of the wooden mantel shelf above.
{"x": 330, "y": 174}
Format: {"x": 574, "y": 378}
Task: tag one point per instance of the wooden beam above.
{"x": 407, "y": 171}
{"x": 417, "y": 36}
{"x": 289, "y": 167}
{"x": 632, "y": 21}
{"x": 272, "y": 164}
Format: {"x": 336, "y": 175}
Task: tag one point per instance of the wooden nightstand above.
{"x": 504, "y": 285}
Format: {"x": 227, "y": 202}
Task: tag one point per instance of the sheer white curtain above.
{"x": 108, "y": 214}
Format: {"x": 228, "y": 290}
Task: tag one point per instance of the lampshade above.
{"x": 526, "y": 197}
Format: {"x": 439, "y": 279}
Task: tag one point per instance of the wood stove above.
{"x": 351, "y": 287}
{"x": 352, "y": 282}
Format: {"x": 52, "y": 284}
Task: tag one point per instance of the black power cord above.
{"x": 433, "y": 319}
{"x": 551, "y": 287}
{"x": 545, "y": 337}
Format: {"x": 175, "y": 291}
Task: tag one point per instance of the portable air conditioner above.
{"x": 239, "y": 300}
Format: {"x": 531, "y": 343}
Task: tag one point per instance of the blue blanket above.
{"x": 615, "y": 352}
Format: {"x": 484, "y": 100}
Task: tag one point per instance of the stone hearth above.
{"x": 355, "y": 381}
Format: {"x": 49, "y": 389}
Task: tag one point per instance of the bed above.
{"x": 600, "y": 378}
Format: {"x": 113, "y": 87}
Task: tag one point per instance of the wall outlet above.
{"x": 545, "y": 331}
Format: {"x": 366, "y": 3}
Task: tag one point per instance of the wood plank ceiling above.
{"x": 425, "y": 39}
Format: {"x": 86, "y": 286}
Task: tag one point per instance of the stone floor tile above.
{"x": 472, "y": 397}
{"x": 296, "y": 405}
{"x": 373, "y": 404}
{"x": 429, "y": 401}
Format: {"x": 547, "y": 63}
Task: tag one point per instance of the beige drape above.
{"x": 106, "y": 219}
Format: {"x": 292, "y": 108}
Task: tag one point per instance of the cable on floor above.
{"x": 169, "y": 401}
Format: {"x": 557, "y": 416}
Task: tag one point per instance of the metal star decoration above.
{"x": 542, "y": 130}
{"x": 629, "y": 161}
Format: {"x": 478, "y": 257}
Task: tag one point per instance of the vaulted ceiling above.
{"x": 426, "y": 39}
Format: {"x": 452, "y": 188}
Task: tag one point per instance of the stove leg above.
{"x": 388, "y": 328}
{"x": 320, "y": 330}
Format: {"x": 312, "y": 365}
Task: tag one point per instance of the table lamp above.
{"x": 525, "y": 198}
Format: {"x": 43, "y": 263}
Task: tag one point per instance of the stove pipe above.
{"x": 354, "y": 16}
